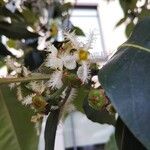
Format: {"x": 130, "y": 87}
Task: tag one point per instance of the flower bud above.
{"x": 39, "y": 102}
{"x": 96, "y": 99}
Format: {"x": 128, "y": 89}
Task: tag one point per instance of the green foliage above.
{"x": 125, "y": 139}
{"x": 126, "y": 80}
{"x": 16, "y": 130}
{"x": 133, "y": 12}
{"x": 129, "y": 29}
{"x": 78, "y": 31}
{"x": 29, "y": 16}
{"x": 100, "y": 116}
{"x": 50, "y": 129}
{"x": 16, "y": 30}
{"x": 96, "y": 99}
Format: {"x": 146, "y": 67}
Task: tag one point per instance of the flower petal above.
{"x": 54, "y": 63}
{"x": 83, "y": 73}
{"x": 55, "y": 81}
{"x": 69, "y": 62}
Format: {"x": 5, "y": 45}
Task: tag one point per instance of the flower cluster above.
{"x": 65, "y": 70}
{"x": 73, "y": 55}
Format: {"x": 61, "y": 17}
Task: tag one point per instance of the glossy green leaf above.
{"x": 125, "y": 139}
{"x": 101, "y": 116}
{"x": 121, "y": 21}
{"x": 145, "y": 12}
{"x": 16, "y": 130}
{"x": 127, "y": 4}
{"x": 29, "y": 16}
{"x": 3, "y": 50}
{"x": 129, "y": 29}
{"x": 16, "y": 16}
{"x": 16, "y": 30}
{"x": 50, "y": 129}
{"x": 126, "y": 80}
{"x": 78, "y": 31}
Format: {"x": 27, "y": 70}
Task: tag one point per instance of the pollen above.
{"x": 83, "y": 55}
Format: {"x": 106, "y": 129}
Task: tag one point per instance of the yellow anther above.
{"x": 83, "y": 55}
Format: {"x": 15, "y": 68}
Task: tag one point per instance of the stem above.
{"x": 66, "y": 97}
{"x": 24, "y": 79}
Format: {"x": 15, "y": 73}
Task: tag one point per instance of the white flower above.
{"x": 28, "y": 99}
{"x": 90, "y": 41}
{"x": 55, "y": 81}
{"x": 83, "y": 72}
{"x": 37, "y": 87}
{"x": 52, "y": 49}
{"x": 41, "y": 43}
{"x": 57, "y": 61}
{"x": 52, "y": 60}
{"x": 69, "y": 61}
{"x": 14, "y": 66}
{"x": 73, "y": 38}
{"x": 25, "y": 71}
{"x": 12, "y": 85}
{"x": 54, "y": 63}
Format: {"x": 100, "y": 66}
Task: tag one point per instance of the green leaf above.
{"x": 16, "y": 30}
{"x": 4, "y": 51}
{"x": 101, "y": 116}
{"x": 17, "y": 16}
{"x": 129, "y": 29}
{"x": 127, "y": 4}
{"x": 144, "y": 13}
{"x": 126, "y": 81}
{"x": 50, "y": 129}
{"x": 78, "y": 31}
{"x": 29, "y": 16}
{"x": 16, "y": 130}
{"x": 125, "y": 139}
{"x": 111, "y": 144}
{"x": 121, "y": 21}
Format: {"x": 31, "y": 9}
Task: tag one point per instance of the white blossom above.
{"x": 73, "y": 38}
{"x": 55, "y": 81}
{"x": 83, "y": 72}
{"x": 90, "y": 40}
{"x": 69, "y": 61}
{"x": 54, "y": 63}
{"x": 57, "y": 61}
{"x": 37, "y": 87}
{"x": 25, "y": 71}
{"x": 28, "y": 99}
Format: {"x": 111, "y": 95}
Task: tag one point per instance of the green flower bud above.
{"x": 39, "y": 102}
{"x": 96, "y": 99}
